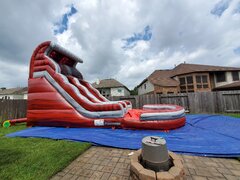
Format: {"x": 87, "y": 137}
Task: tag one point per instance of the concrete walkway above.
{"x": 110, "y": 163}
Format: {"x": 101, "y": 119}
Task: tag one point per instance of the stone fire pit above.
{"x": 138, "y": 172}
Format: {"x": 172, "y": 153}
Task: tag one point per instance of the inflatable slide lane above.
{"x": 58, "y": 95}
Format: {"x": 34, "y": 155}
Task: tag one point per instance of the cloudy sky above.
{"x": 125, "y": 39}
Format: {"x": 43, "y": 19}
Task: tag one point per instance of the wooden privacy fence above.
{"x": 201, "y": 102}
{"x": 11, "y": 109}
{"x": 198, "y": 102}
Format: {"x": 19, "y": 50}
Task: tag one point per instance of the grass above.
{"x": 233, "y": 115}
{"x": 227, "y": 114}
{"x": 35, "y": 158}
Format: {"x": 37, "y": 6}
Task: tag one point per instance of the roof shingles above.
{"x": 163, "y": 78}
{"x": 234, "y": 85}
{"x": 191, "y": 68}
{"x": 108, "y": 83}
{"x": 13, "y": 91}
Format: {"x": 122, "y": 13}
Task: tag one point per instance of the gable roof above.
{"x": 108, "y": 83}
{"x": 13, "y": 91}
{"x": 163, "y": 78}
{"x": 191, "y": 68}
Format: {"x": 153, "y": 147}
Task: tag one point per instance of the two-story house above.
{"x": 111, "y": 87}
{"x": 191, "y": 78}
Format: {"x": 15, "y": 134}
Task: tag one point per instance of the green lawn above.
{"x": 226, "y": 114}
{"x": 233, "y": 115}
{"x": 35, "y": 158}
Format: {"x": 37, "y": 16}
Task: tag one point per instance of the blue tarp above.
{"x": 205, "y": 135}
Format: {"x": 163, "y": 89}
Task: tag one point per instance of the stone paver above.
{"x": 114, "y": 164}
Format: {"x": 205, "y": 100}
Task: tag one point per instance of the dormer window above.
{"x": 235, "y": 76}
{"x": 220, "y": 77}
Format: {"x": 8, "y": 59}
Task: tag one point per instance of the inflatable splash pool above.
{"x": 59, "y": 96}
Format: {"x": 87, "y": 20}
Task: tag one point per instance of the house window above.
{"x": 186, "y": 84}
{"x": 235, "y": 76}
{"x": 189, "y": 80}
{"x": 119, "y": 90}
{"x": 145, "y": 86}
{"x": 221, "y": 77}
{"x": 182, "y": 81}
{"x": 202, "y": 81}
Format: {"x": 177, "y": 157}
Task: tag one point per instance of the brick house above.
{"x": 111, "y": 87}
{"x": 191, "y": 78}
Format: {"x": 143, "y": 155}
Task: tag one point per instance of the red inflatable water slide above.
{"x": 59, "y": 96}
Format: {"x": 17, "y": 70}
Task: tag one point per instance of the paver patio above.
{"x": 111, "y": 163}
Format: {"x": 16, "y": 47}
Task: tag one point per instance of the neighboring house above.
{"x": 13, "y": 93}
{"x": 111, "y": 87}
{"x": 191, "y": 78}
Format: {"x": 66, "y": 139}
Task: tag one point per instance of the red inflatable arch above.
{"x": 59, "y": 96}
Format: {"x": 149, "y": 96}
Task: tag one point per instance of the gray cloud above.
{"x": 24, "y": 24}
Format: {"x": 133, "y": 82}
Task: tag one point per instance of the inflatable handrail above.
{"x": 90, "y": 87}
{"x": 85, "y": 90}
{"x": 97, "y": 101}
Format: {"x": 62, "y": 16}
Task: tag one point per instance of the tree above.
{"x": 134, "y": 91}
